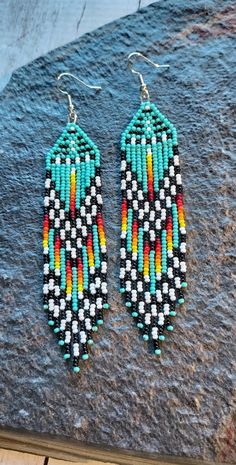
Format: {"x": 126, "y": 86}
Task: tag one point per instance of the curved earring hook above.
{"x": 72, "y": 114}
{"x": 143, "y": 87}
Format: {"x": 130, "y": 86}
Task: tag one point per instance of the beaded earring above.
{"x": 153, "y": 235}
{"x": 74, "y": 243}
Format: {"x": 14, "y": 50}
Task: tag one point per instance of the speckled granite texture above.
{"x": 181, "y": 405}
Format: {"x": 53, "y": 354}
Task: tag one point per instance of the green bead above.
{"x": 50, "y": 322}
{"x": 158, "y": 351}
{"x": 134, "y": 314}
{"x": 94, "y": 328}
{"x": 100, "y": 322}
{"x": 66, "y": 356}
{"x": 184, "y": 284}
{"x": 90, "y": 342}
{"x": 85, "y": 356}
{"x": 140, "y": 325}
{"x": 162, "y": 337}
{"x": 145, "y": 337}
{"x": 76, "y": 369}
{"x": 170, "y": 328}
{"x": 56, "y": 330}
{"x": 128, "y": 304}
{"x": 61, "y": 343}
{"x": 181, "y": 301}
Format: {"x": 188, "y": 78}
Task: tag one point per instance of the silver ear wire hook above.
{"x": 72, "y": 115}
{"x": 143, "y": 87}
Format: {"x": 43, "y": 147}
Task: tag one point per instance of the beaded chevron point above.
{"x": 74, "y": 243}
{"x": 153, "y": 235}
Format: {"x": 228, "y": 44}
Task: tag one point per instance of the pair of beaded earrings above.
{"x": 153, "y": 235}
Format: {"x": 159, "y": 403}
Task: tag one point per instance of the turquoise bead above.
{"x": 50, "y": 322}
{"x": 106, "y": 306}
{"x": 145, "y": 337}
{"x": 100, "y": 322}
{"x": 170, "y": 328}
{"x": 184, "y": 284}
{"x": 85, "y": 356}
{"x": 134, "y": 314}
{"x": 66, "y": 356}
{"x": 56, "y": 330}
{"x": 158, "y": 351}
{"x": 140, "y": 325}
{"x": 172, "y": 313}
{"x": 122, "y": 290}
{"x": 162, "y": 337}
{"x": 76, "y": 369}
{"x": 94, "y": 328}
{"x": 90, "y": 342}
{"x": 61, "y": 343}
{"x": 181, "y": 301}
{"x": 128, "y": 304}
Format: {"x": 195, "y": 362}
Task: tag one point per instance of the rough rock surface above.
{"x": 182, "y": 404}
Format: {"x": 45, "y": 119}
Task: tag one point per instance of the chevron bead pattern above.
{"x": 74, "y": 243}
{"x": 153, "y": 235}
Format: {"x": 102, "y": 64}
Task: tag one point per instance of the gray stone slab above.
{"x": 182, "y": 404}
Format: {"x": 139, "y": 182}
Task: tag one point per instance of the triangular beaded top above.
{"x": 75, "y": 259}
{"x": 153, "y": 235}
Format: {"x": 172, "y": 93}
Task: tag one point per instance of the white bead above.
{"x": 166, "y": 308}
{"x": 183, "y": 267}
{"x": 57, "y": 222}
{"x": 183, "y": 247}
{"x": 51, "y": 284}
{"x": 68, "y": 316}
{"x": 73, "y": 233}
{"x": 46, "y": 268}
{"x": 134, "y": 186}
{"x": 135, "y": 205}
{"x": 146, "y": 279}
{"x": 103, "y": 249}
{"x": 68, "y": 245}
{"x": 123, "y": 253}
{"x": 99, "y": 302}
{"x": 134, "y": 275}
{"x": 45, "y": 289}
{"x": 141, "y": 307}
{"x": 129, "y": 194}
{"x": 134, "y": 256}
{"x": 47, "y": 183}
{"x": 165, "y": 288}
{"x": 158, "y": 295}
{"x": 166, "y": 183}
{"x": 146, "y": 226}
{"x": 163, "y": 214}
{"x": 178, "y": 179}
{"x": 78, "y": 223}
{"x": 123, "y": 165}
{"x": 73, "y": 252}
{"x": 162, "y": 194}
{"x": 52, "y": 194}
{"x": 82, "y": 210}
{"x": 140, "y": 286}
{"x": 152, "y": 215}
{"x": 67, "y": 161}
{"x": 128, "y": 286}
{"x": 140, "y": 195}
{"x": 171, "y": 171}
{"x": 67, "y": 225}
{"x": 128, "y": 176}
{"x": 177, "y": 282}
{"x": 141, "y": 214}
{"x": 123, "y": 184}
{"x": 88, "y": 200}
{"x": 183, "y": 230}
{"x": 63, "y": 325}
{"x": 164, "y": 137}
{"x": 157, "y": 205}
{"x": 92, "y": 288}
{"x": 92, "y": 309}
{"x": 46, "y": 201}
{"x": 158, "y": 224}
{"x": 62, "y": 214}
{"x": 97, "y": 282}
{"x": 98, "y": 181}
{"x": 168, "y": 202}
{"x": 154, "y": 310}
{"x": 146, "y": 207}
{"x": 86, "y": 304}
{"x": 104, "y": 267}
{"x": 170, "y": 253}
{"x": 134, "y": 295}
{"x": 93, "y": 191}
{"x": 84, "y": 231}
{"x": 51, "y": 214}
{"x": 57, "y": 204}
{"x": 158, "y": 276}
{"x": 56, "y": 311}
{"x": 147, "y": 318}
{"x": 94, "y": 210}
{"x": 176, "y": 262}
{"x": 133, "y": 141}
{"x": 143, "y": 141}
{"x": 99, "y": 199}
{"x": 152, "y": 235}
{"x": 79, "y": 242}
{"x": 147, "y": 297}
{"x": 62, "y": 304}
{"x": 176, "y": 160}
{"x": 173, "y": 190}
{"x": 57, "y": 291}
{"x": 170, "y": 273}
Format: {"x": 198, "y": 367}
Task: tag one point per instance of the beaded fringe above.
{"x": 153, "y": 235}
{"x": 74, "y": 243}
